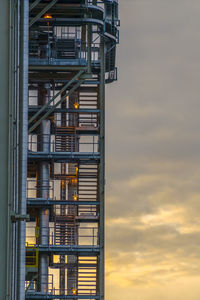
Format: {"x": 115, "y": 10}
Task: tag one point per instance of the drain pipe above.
{"x": 23, "y": 142}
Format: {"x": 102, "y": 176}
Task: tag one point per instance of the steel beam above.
{"x": 42, "y": 12}
{"x": 61, "y": 68}
{"x": 65, "y": 156}
{"x": 89, "y": 42}
{"x": 55, "y": 96}
{"x": 33, "y": 109}
{"x": 70, "y": 250}
{"x": 34, "y": 4}
{"x": 38, "y": 296}
{"x": 55, "y": 105}
{"x": 102, "y": 172}
{"x": 46, "y": 202}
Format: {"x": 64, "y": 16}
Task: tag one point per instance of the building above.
{"x": 56, "y": 57}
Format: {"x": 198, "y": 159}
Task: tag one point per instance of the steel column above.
{"x": 5, "y": 85}
{"x": 102, "y": 170}
{"x": 23, "y": 142}
{"x": 43, "y": 188}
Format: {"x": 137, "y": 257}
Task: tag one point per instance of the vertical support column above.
{"x": 63, "y": 187}
{"x": 72, "y": 232}
{"x": 62, "y": 230}
{"x": 5, "y": 86}
{"x": 72, "y": 271}
{"x": 89, "y": 45}
{"x": 83, "y": 41}
{"x": 43, "y": 188}
{"x": 102, "y": 170}
{"x": 23, "y": 142}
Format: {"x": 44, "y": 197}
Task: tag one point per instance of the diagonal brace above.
{"x": 54, "y": 107}
{"x": 42, "y": 12}
{"x": 55, "y": 96}
{"x": 34, "y": 4}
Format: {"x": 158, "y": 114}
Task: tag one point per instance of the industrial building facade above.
{"x": 56, "y": 57}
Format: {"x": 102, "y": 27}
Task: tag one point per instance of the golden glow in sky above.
{"x": 153, "y": 154}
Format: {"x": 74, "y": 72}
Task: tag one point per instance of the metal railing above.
{"x": 32, "y": 285}
{"x": 85, "y": 236}
{"x": 78, "y": 119}
{"x": 82, "y": 210}
{"x": 73, "y": 143}
{"x": 35, "y": 188}
{"x": 60, "y": 49}
{"x": 82, "y": 287}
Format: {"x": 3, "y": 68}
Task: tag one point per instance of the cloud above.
{"x": 153, "y": 154}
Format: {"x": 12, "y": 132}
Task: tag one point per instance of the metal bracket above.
{"x": 17, "y": 217}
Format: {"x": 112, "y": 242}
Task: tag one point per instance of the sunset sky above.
{"x": 153, "y": 154}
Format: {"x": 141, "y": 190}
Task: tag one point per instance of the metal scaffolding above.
{"x": 68, "y": 52}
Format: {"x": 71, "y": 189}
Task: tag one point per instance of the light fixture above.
{"x": 76, "y": 105}
{"x": 47, "y": 16}
{"x": 75, "y": 197}
{"x": 74, "y": 291}
{"x": 76, "y": 170}
{"x": 74, "y": 180}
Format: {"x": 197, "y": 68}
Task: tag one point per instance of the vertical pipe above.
{"x": 23, "y": 141}
{"x": 6, "y": 148}
{"x": 13, "y": 151}
{"x": 72, "y": 272}
{"x": 63, "y": 187}
{"x": 102, "y": 169}
{"x": 43, "y": 188}
{"x": 89, "y": 42}
{"x": 62, "y": 230}
{"x": 14, "y": 112}
{"x": 72, "y": 232}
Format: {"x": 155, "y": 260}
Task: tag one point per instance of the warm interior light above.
{"x": 47, "y": 16}
{"x": 74, "y": 180}
{"x": 62, "y": 184}
{"x": 74, "y": 291}
{"x": 76, "y": 105}
{"x": 75, "y": 197}
{"x": 76, "y": 170}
